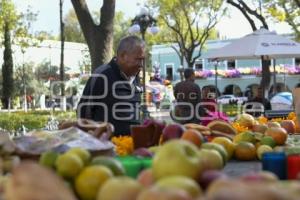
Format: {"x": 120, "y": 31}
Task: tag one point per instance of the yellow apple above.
{"x": 177, "y": 157}
{"x": 120, "y": 188}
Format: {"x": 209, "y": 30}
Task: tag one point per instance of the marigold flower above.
{"x": 239, "y": 128}
{"x": 262, "y": 120}
{"x": 124, "y": 145}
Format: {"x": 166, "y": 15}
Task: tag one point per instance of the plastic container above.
{"x": 275, "y": 162}
{"x": 293, "y": 166}
{"x": 132, "y": 165}
{"x": 146, "y": 162}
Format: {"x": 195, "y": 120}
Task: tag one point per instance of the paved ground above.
{"x": 238, "y": 168}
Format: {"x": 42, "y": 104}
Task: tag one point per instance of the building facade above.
{"x": 242, "y": 73}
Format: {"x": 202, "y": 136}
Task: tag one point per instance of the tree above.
{"x": 25, "y": 75}
{"x": 73, "y": 32}
{"x": 16, "y": 28}
{"x": 120, "y": 29}
{"x": 99, "y": 37}
{"x": 46, "y": 72}
{"x": 252, "y": 14}
{"x": 7, "y": 69}
{"x": 280, "y": 10}
{"x": 8, "y": 21}
{"x": 285, "y": 10}
{"x": 190, "y": 22}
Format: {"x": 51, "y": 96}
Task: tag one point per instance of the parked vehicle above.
{"x": 229, "y": 98}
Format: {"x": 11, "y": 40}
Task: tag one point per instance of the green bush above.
{"x": 32, "y": 120}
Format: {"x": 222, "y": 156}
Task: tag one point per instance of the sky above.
{"x": 234, "y": 26}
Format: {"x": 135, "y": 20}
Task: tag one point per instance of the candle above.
{"x": 275, "y": 162}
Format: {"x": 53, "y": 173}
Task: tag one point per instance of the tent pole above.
{"x": 274, "y": 76}
{"x": 216, "y": 80}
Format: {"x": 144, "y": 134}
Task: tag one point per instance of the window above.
{"x": 199, "y": 65}
{"x": 231, "y": 64}
{"x": 297, "y": 61}
{"x": 169, "y": 72}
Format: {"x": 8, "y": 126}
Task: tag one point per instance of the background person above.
{"x": 259, "y": 97}
{"x": 123, "y": 99}
{"x": 189, "y": 92}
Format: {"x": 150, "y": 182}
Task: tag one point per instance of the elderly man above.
{"x": 113, "y": 94}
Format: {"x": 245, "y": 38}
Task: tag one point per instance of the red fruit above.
{"x": 288, "y": 125}
{"x": 172, "y": 131}
{"x": 209, "y": 176}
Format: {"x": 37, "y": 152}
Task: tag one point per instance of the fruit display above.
{"x": 173, "y": 162}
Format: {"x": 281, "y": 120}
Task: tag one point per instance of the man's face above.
{"x": 132, "y": 62}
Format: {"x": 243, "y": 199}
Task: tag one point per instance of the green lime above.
{"x": 113, "y": 164}
{"x": 48, "y": 159}
{"x": 268, "y": 140}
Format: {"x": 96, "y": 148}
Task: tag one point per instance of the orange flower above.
{"x": 277, "y": 119}
{"x": 262, "y": 120}
{"x": 292, "y": 116}
{"x": 239, "y": 128}
{"x": 124, "y": 145}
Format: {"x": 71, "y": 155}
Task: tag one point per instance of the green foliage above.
{"x": 8, "y": 15}
{"x": 46, "y": 71}
{"x": 120, "y": 28}
{"x": 189, "y": 24}
{"x": 25, "y": 76}
{"x": 73, "y": 31}
{"x": 31, "y": 120}
{"x": 285, "y": 11}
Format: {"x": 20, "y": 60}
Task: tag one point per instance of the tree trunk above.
{"x": 7, "y": 69}
{"x": 266, "y": 75}
{"x": 62, "y": 70}
{"x": 99, "y": 38}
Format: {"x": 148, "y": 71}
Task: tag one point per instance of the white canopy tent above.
{"x": 256, "y": 45}
{"x": 259, "y": 43}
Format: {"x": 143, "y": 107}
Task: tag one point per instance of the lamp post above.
{"x": 141, "y": 23}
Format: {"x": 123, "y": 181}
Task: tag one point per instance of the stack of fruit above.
{"x": 87, "y": 175}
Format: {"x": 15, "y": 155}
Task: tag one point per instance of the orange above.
{"x": 278, "y": 134}
{"x": 245, "y": 151}
{"x": 193, "y": 136}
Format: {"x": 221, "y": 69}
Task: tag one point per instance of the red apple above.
{"x": 172, "y": 131}
{"x": 288, "y": 125}
{"x": 210, "y": 176}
